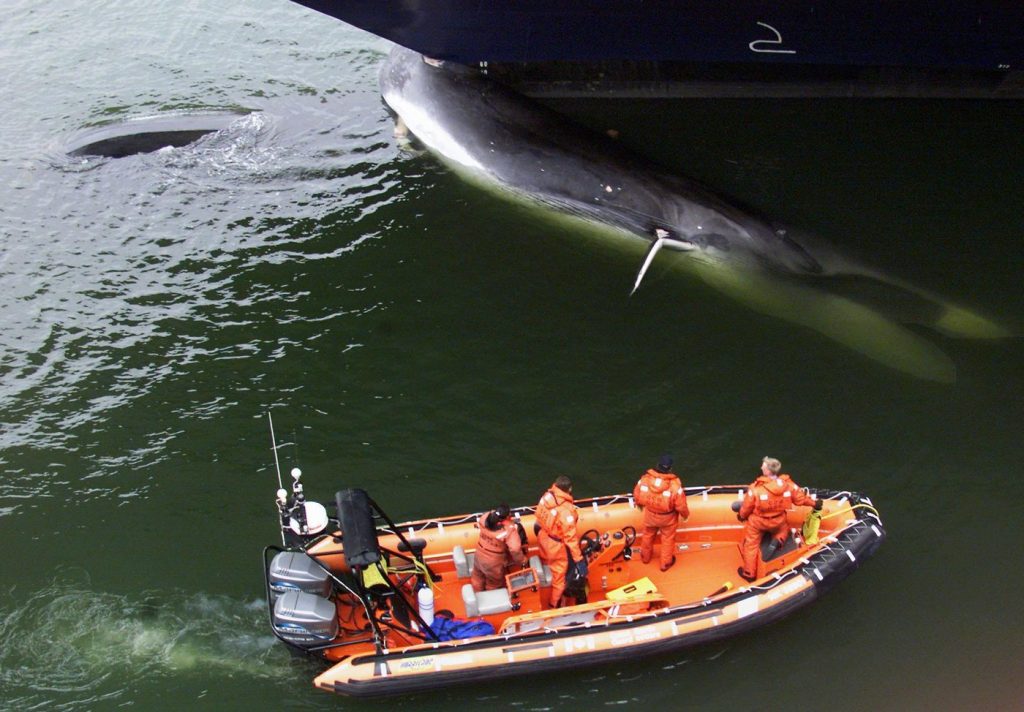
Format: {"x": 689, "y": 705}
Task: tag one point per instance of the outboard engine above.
{"x": 296, "y": 571}
{"x": 304, "y": 619}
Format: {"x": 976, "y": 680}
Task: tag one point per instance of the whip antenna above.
{"x": 273, "y": 446}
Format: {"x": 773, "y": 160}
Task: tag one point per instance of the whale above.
{"x": 498, "y": 138}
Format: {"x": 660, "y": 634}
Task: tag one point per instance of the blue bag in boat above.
{"x": 446, "y": 628}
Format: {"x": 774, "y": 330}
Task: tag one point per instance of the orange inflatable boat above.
{"x": 366, "y": 594}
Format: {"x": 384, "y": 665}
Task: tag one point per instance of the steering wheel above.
{"x": 590, "y": 543}
{"x": 630, "y": 534}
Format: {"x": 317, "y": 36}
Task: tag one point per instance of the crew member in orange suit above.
{"x": 557, "y": 538}
{"x": 660, "y": 494}
{"x": 498, "y": 546}
{"x": 764, "y": 509}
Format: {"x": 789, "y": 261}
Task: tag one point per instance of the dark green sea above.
{"x": 446, "y": 349}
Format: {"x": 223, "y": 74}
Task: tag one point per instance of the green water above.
{"x": 447, "y": 349}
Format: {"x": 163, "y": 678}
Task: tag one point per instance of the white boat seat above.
{"x": 485, "y": 603}
{"x": 543, "y": 571}
{"x": 463, "y": 561}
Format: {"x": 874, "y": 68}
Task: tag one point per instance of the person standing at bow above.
{"x": 498, "y": 546}
{"x": 661, "y": 496}
{"x": 764, "y": 509}
{"x": 557, "y": 537}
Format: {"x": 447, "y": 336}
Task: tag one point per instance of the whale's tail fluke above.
{"x": 899, "y": 299}
{"x": 856, "y": 326}
{"x": 908, "y": 304}
{"x": 960, "y": 322}
{"x": 950, "y": 318}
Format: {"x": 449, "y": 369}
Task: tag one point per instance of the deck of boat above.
{"x": 706, "y": 550}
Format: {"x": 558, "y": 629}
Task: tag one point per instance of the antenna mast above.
{"x": 273, "y": 446}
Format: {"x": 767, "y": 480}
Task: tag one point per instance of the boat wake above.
{"x": 68, "y": 643}
{"x": 245, "y": 146}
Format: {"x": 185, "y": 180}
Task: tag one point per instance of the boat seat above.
{"x": 543, "y": 571}
{"x": 769, "y": 552}
{"x": 463, "y": 562}
{"x": 485, "y": 603}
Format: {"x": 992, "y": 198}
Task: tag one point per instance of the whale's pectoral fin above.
{"x": 401, "y": 130}
{"x": 662, "y": 238}
{"x": 405, "y": 140}
{"x": 403, "y": 137}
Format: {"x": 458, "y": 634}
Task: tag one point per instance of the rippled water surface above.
{"x": 441, "y": 347}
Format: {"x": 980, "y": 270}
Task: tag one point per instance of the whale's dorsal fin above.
{"x": 662, "y": 238}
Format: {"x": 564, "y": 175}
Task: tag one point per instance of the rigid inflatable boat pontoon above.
{"x": 360, "y": 591}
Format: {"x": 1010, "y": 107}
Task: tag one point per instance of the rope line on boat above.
{"x": 850, "y": 509}
{"x": 421, "y": 569}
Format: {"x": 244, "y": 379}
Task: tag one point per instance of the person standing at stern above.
{"x": 499, "y": 547}
{"x": 557, "y": 537}
{"x": 764, "y": 509}
{"x": 661, "y": 496}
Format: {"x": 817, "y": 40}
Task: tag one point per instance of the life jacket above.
{"x": 772, "y": 494}
{"x": 556, "y": 514}
{"x": 496, "y": 541}
{"x": 658, "y": 491}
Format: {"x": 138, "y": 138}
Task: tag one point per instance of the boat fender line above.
{"x": 849, "y": 509}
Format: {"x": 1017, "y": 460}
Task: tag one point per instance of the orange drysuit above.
{"x": 663, "y": 500}
{"x": 494, "y": 550}
{"x": 764, "y": 509}
{"x": 558, "y": 541}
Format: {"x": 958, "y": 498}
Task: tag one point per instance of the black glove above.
{"x": 581, "y": 569}
{"x": 735, "y": 506}
{"x": 818, "y": 504}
